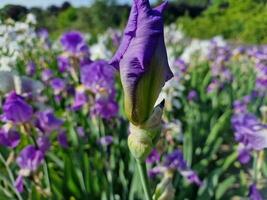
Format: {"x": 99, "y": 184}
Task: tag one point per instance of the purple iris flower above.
{"x": 181, "y": 65}
{"x": 153, "y": 157}
{"x": 80, "y": 131}
{"x": 16, "y": 109}
{"x": 244, "y": 153}
{"x": 74, "y": 42}
{"x": 44, "y": 37}
{"x": 48, "y": 122}
{"x": 43, "y": 143}
{"x": 80, "y": 98}
{"x": 58, "y": 85}
{"x": 192, "y": 177}
{"x": 175, "y": 161}
{"x": 152, "y": 173}
{"x": 19, "y": 183}
{"x": 63, "y": 63}
{"x": 30, "y": 158}
{"x": 9, "y": 137}
{"x": 30, "y": 68}
{"x": 97, "y": 76}
{"x": 106, "y": 108}
{"x": 192, "y": 95}
{"x": 43, "y": 33}
{"x": 63, "y": 140}
{"x": 254, "y": 193}
{"x": 47, "y": 74}
{"x": 106, "y": 140}
{"x": 250, "y": 131}
{"x": 142, "y": 60}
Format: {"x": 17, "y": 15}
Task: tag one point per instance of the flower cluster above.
{"x": 173, "y": 161}
{"x": 22, "y": 121}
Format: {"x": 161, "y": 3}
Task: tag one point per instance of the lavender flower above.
{"x": 16, "y": 109}
{"x": 141, "y": 57}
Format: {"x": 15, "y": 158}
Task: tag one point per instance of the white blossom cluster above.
{"x": 14, "y": 37}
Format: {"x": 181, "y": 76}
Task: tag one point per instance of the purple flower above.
{"x": 254, "y": 193}
{"x": 142, "y": 60}
{"x": 80, "y": 131}
{"x": 63, "y": 63}
{"x": 74, "y": 42}
{"x": 9, "y": 137}
{"x": 105, "y": 108}
{"x": 213, "y": 86}
{"x": 30, "y": 68}
{"x": 181, "y": 65}
{"x": 62, "y": 140}
{"x": 154, "y": 157}
{"x": 192, "y": 177}
{"x": 43, "y": 143}
{"x": 43, "y": 33}
{"x": 30, "y": 158}
{"x": 48, "y": 122}
{"x": 152, "y": 173}
{"x": 58, "y": 85}
{"x": 19, "y": 184}
{"x": 44, "y": 36}
{"x": 80, "y": 98}
{"x": 98, "y": 76}
{"x": 47, "y": 74}
{"x": 244, "y": 153}
{"x": 240, "y": 106}
{"x": 192, "y": 95}
{"x": 106, "y": 140}
{"x": 175, "y": 160}
{"x": 16, "y": 109}
{"x": 250, "y": 131}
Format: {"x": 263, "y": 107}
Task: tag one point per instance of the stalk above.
{"x": 144, "y": 179}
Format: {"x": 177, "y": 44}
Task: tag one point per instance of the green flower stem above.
{"x": 144, "y": 179}
{"x": 11, "y": 177}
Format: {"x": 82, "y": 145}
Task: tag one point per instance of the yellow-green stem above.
{"x": 144, "y": 179}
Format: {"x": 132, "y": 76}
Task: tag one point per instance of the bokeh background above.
{"x": 214, "y": 123}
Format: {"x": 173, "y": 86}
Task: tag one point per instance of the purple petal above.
{"x": 19, "y": 184}
{"x": 254, "y": 194}
{"x": 62, "y": 140}
{"x": 16, "y": 109}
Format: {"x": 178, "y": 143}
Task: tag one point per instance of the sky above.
{"x": 45, "y": 3}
